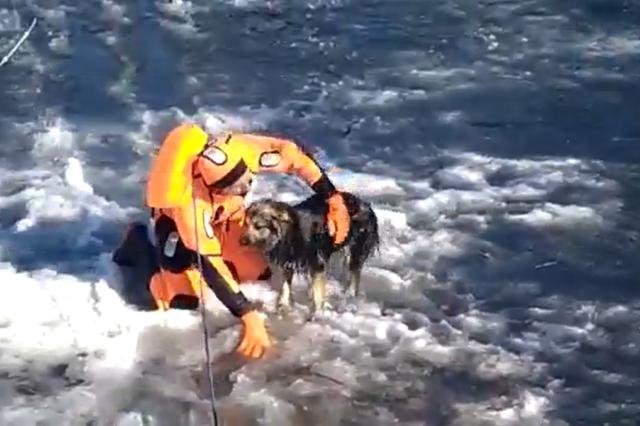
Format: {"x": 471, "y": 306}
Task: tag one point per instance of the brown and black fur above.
{"x": 295, "y": 239}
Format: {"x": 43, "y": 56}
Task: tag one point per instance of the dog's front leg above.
{"x": 284, "y": 279}
{"x": 354, "y": 283}
{"x": 319, "y": 290}
{"x": 284, "y": 299}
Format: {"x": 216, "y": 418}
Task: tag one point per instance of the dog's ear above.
{"x": 282, "y": 215}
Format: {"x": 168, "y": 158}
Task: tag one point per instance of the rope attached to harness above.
{"x": 202, "y": 312}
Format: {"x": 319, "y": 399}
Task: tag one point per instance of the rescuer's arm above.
{"x": 197, "y": 234}
{"x": 285, "y": 156}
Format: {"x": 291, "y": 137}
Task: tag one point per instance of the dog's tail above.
{"x": 366, "y": 240}
{"x": 371, "y": 243}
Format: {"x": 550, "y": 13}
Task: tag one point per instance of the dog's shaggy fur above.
{"x": 295, "y": 239}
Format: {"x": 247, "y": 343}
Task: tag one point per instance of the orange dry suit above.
{"x": 193, "y": 217}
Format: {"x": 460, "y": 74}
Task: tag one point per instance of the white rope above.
{"x": 202, "y": 312}
{"x": 8, "y": 56}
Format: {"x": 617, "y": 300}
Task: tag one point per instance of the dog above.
{"x": 295, "y": 239}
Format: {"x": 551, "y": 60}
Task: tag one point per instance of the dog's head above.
{"x": 267, "y": 223}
